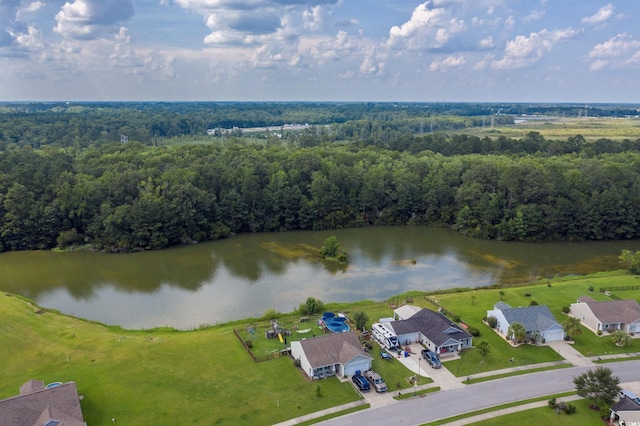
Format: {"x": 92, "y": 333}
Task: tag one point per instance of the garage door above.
{"x": 351, "y": 368}
{"x": 553, "y": 335}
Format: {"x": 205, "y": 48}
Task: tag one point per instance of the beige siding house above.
{"x": 608, "y": 315}
{"x": 331, "y": 354}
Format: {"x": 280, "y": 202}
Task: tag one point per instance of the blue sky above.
{"x": 325, "y": 50}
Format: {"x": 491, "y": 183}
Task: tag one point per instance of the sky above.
{"x": 320, "y": 50}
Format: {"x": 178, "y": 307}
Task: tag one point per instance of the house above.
{"x": 538, "y": 321}
{"x": 608, "y": 315}
{"x": 40, "y": 405}
{"x": 434, "y": 330}
{"x": 331, "y": 354}
{"x": 625, "y": 412}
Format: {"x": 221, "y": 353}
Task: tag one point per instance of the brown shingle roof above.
{"x": 615, "y": 311}
{"x": 35, "y": 403}
{"x": 335, "y": 348}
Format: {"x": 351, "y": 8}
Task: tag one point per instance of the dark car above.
{"x": 431, "y": 358}
{"x": 361, "y": 382}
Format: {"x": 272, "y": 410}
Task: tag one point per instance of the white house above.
{"x": 608, "y": 315}
{"x": 434, "y": 330}
{"x": 331, "y": 354}
{"x": 538, "y": 321}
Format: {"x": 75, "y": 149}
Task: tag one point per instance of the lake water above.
{"x": 185, "y": 287}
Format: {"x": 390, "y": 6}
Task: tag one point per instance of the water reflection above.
{"x": 245, "y": 276}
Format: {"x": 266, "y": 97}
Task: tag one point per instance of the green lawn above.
{"x": 160, "y": 377}
{"x": 472, "y": 306}
{"x": 583, "y": 416}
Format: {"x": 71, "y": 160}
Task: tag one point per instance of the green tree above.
{"x": 311, "y": 306}
{"x": 571, "y": 327}
{"x": 631, "y": 260}
{"x": 620, "y": 338}
{"x": 330, "y": 247}
{"x": 360, "y": 319}
{"x": 517, "y": 332}
{"x": 331, "y": 250}
{"x": 483, "y": 348}
{"x": 599, "y": 385}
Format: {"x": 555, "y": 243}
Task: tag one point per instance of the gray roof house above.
{"x": 331, "y": 354}
{"x": 607, "y": 315}
{"x": 625, "y": 411}
{"x": 434, "y": 330}
{"x": 538, "y": 321}
{"x": 37, "y": 405}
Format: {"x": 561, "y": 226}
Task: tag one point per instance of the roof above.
{"x": 435, "y": 326}
{"x": 36, "y": 405}
{"x": 406, "y": 311}
{"x": 615, "y": 311}
{"x": 626, "y": 404}
{"x": 334, "y": 348}
{"x": 533, "y": 318}
{"x": 501, "y": 306}
{"x": 584, "y": 299}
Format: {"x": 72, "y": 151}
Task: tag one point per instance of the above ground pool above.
{"x": 336, "y": 324}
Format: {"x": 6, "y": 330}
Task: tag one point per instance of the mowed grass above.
{"x": 584, "y": 416}
{"x": 472, "y": 307}
{"x": 155, "y": 377}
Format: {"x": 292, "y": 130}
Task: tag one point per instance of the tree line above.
{"x": 130, "y": 197}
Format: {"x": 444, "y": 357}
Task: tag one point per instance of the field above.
{"x": 562, "y": 128}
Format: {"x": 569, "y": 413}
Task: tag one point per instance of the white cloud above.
{"x": 525, "y": 51}
{"x": 604, "y": 13}
{"x": 487, "y": 43}
{"x": 9, "y": 25}
{"x": 426, "y": 29}
{"x": 90, "y": 19}
{"x": 534, "y": 15}
{"x": 618, "y": 52}
{"x": 32, "y": 7}
{"x": 370, "y": 64}
{"x": 443, "y": 64}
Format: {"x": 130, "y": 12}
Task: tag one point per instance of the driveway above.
{"x": 567, "y": 351}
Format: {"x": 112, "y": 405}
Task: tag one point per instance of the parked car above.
{"x": 385, "y": 355}
{"x": 362, "y": 383}
{"x": 431, "y": 358}
{"x": 376, "y": 381}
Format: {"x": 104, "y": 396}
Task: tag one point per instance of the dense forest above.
{"x": 64, "y": 181}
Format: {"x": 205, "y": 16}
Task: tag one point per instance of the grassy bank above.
{"x": 155, "y": 377}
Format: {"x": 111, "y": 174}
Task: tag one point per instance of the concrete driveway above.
{"x": 567, "y": 351}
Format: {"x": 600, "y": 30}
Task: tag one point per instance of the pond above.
{"x": 241, "y": 277}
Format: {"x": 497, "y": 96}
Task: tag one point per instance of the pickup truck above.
{"x": 376, "y": 381}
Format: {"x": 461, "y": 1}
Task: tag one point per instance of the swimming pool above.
{"x": 335, "y": 324}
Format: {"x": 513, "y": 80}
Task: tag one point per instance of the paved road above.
{"x": 474, "y": 397}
